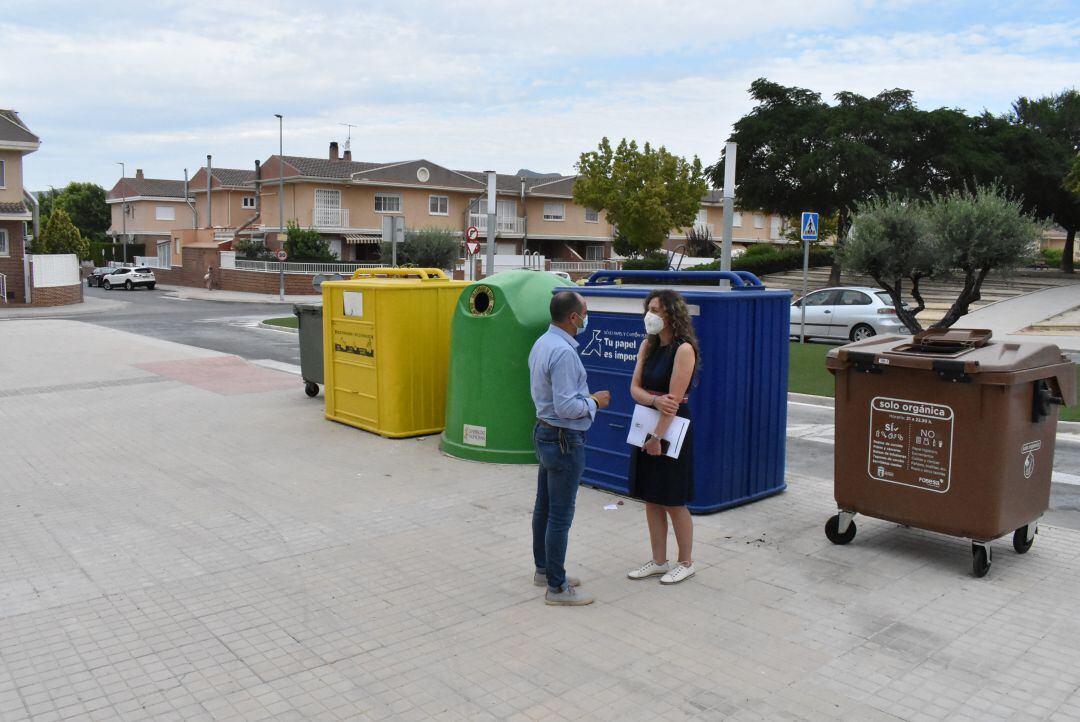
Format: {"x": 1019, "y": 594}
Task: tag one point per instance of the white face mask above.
{"x": 653, "y": 324}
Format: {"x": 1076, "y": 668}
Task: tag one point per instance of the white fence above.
{"x": 54, "y": 270}
{"x": 309, "y": 268}
{"x": 330, "y": 217}
{"x": 503, "y": 224}
{"x": 583, "y": 266}
{"x": 150, "y": 261}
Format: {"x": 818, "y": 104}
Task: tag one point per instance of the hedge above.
{"x": 773, "y": 260}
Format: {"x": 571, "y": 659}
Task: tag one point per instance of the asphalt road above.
{"x": 227, "y": 327}
{"x": 233, "y": 328}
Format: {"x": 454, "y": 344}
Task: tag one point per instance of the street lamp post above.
{"x": 123, "y": 205}
{"x": 281, "y": 199}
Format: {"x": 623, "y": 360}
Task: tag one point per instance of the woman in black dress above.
{"x": 665, "y": 369}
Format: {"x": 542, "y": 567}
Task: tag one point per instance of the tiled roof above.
{"x": 12, "y": 207}
{"x": 156, "y": 187}
{"x": 555, "y": 187}
{"x": 233, "y": 176}
{"x": 326, "y": 168}
{"x": 13, "y": 129}
{"x": 406, "y": 174}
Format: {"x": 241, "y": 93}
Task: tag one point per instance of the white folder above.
{"x": 644, "y": 422}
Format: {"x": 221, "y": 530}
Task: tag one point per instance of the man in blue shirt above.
{"x": 564, "y": 412}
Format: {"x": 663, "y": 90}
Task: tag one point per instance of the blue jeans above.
{"x": 562, "y": 460}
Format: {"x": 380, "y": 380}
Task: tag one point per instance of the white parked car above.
{"x": 850, "y": 313}
{"x": 128, "y": 278}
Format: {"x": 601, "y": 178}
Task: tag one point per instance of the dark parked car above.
{"x": 94, "y": 279}
{"x": 129, "y": 278}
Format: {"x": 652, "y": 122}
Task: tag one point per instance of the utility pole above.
{"x": 491, "y": 227}
{"x": 729, "y": 205}
{"x": 123, "y": 207}
{"x": 281, "y": 200}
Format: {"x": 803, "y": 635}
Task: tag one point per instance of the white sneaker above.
{"x": 681, "y": 572}
{"x": 648, "y": 569}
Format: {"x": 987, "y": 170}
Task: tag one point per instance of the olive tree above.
{"x": 890, "y": 241}
{"x": 977, "y": 231}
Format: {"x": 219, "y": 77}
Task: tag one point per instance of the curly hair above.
{"x": 678, "y": 315}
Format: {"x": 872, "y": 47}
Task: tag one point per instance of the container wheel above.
{"x": 311, "y": 389}
{"x": 832, "y": 531}
{"x": 980, "y": 560}
{"x": 1021, "y": 543}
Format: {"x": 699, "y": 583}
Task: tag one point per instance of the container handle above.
{"x": 739, "y": 279}
{"x": 424, "y": 274}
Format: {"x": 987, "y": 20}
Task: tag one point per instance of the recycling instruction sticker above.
{"x": 911, "y": 443}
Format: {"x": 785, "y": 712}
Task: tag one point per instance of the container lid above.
{"x": 968, "y": 350}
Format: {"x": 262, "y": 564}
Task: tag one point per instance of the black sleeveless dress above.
{"x": 660, "y": 479}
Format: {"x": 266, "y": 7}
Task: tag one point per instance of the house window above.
{"x": 774, "y": 230}
{"x": 594, "y": 253}
{"x": 438, "y": 205}
{"x": 759, "y": 220}
{"x": 3, "y": 174}
{"x": 5, "y": 250}
{"x": 736, "y": 219}
{"x": 702, "y": 219}
{"x": 247, "y": 202}
{"x": 554, "y": 211}
{"x": 388, "y": 203}
{"x": 165, "y": 213}
{"x": 592, "y": 216}
{"x": 503, "y": 209}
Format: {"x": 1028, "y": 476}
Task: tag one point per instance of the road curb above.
{"x": 272, "y": 327}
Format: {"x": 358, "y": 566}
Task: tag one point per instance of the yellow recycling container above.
{"x": 386, "y": 349}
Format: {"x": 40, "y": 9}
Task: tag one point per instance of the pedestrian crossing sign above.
{"x": 809, "y": 226}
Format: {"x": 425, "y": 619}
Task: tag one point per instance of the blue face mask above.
{"x": 584, "y": 324}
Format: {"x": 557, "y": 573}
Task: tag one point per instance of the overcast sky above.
{"x": 475, "y": 85}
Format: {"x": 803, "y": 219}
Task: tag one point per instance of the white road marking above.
{"x": 277, "y": 365}
{"x": 1060, "y": 477}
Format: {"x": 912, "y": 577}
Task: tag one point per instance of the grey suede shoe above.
{"x": 540, "y": 580}
{"x": 567, "y": 597}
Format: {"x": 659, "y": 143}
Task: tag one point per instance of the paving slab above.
{"x": 249, "y": 559}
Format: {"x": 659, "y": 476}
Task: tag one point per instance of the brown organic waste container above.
{"x": 947, "y": 431}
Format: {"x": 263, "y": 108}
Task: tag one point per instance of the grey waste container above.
{"x": 309, "y": 318}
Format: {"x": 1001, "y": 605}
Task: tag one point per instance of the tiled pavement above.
{"x": 247, "y": 559}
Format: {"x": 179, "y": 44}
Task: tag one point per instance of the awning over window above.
{"x": 363, "y": 238}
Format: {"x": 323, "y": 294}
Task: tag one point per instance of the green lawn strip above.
{"x": 807, "y": 375}
{"x": 285, "y": 322}
{"x": 806, "y": 369}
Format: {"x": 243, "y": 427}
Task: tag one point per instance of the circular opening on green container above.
{"x": 482, "y": 301}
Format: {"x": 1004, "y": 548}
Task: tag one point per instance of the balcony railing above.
{"x": 330, "y": 218}
{"x": 503, "y": 224}
{"x": 699, "y": 227}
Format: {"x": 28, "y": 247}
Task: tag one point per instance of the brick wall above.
{"x": 198, "y": 260}
{"x": 57, "y": 295}
{"x": 12, "y": 265}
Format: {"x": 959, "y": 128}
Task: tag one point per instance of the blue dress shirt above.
{"x": 559, "y": 383}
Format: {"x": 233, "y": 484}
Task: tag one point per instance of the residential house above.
{"x": 345, "y": 200}
{"x": 16, "y": 141}
{"x": 231, "y": 202}
{"x": 146, "y": 210}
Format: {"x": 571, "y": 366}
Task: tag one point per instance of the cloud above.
{"x": 475, "y": 85}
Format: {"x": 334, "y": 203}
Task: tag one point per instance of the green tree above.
{"x": 798, "y": 153}
{"x": 307, "y": 244}
{"x": 1044, "y": 185}
{"x": 1072, "y": 181}
{"x": 646, "y": 192}
{"x": 46, "y": 202}
{"x": 61, "y": 236}
{"x": 890, "y": 241}
{"x": 85, "y": 205}
{"x": 429, "y": 247}
{"x": 975, "y": 232}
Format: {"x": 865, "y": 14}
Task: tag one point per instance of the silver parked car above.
{"x": 850, "y": 313}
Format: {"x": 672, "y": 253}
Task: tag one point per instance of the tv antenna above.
{"x": 348, "y": 138}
